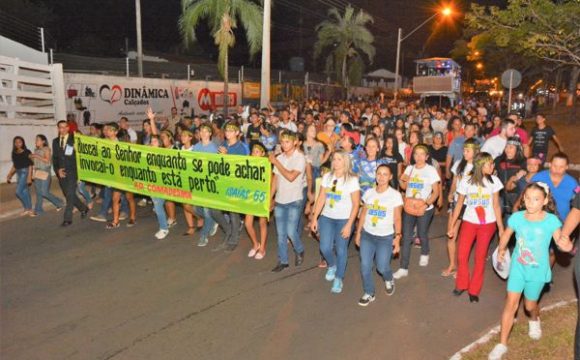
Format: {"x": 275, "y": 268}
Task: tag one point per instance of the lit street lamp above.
{"x": 446, "y": 11}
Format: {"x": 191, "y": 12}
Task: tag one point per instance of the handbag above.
{"x": 41, "y": 174}
{"x": 414, "y": 206}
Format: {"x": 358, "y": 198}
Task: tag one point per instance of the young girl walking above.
{"x": 530, "y": 266}
{"x": 480, "y": 193}
{"x": 378, "y": 233}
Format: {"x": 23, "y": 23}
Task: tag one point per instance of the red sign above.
{"x": 209, "y": 100}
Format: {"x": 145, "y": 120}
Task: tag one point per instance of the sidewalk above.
{"x": 11, "y": 207}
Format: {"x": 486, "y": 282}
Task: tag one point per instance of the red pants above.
{"x": 467, "y": 235}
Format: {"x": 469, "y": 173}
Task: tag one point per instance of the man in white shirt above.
{"x": 287, "y": 186}
{"x": 124, "y": 124}
{"x": 285, "y": 122}
{"x": 439, "y": 124}
{"x": 495, "y": 145}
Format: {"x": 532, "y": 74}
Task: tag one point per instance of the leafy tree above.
{"x": 222, "y": 16}
{"x": 544, "y": 29}
{"x": 345, "y": 38}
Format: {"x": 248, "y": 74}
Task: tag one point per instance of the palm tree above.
{"x": 223, "y": 16}
{"x": 345, "y": 38}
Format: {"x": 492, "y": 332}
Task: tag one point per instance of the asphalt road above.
{"x": 88, "y": 293}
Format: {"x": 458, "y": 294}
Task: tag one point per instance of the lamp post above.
{"x": 400, "y": 38}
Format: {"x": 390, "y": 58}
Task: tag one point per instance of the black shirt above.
{"x": 21, "y": 160}
{"x": 542, "y": 139}
{"x": 392, "y": 162}
{"x": 253, "y": 133}
{"x": 439, "y": 155}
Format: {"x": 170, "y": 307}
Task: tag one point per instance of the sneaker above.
{"x": 123, "y": 216}
{"x": 390, "y": 287}
{"x": 214, "y": 229}
{"x": 401, "y": 273}
{"x": 59, "y": 208}
{"x": 230, "y": 248}
{"x": 202, "y": 241}
{"x": 330, "y": 273}
{"x": 161, "y": 234}
{"x": 424, "y": 260}
{"x": 142, "y": 203}
{"x": 171, "y": 222}
{"x": 99, "y": 218}
{"x": 336, "y": 286}
{"x": 220, "y": 247}
{"x": 498, "y": 352}
{"x": 366, "y": 299}
{"x": 535, "y": 330}
{"x": 131, "y": 223}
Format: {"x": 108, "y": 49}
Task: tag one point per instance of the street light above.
{"x": 446, "y": 12}
{"x": 479, "y": 66}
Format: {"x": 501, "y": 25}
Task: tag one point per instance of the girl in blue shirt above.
{"x": 530, "y": 266}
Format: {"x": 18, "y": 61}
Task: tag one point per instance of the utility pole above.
{"x": 399, "y": 40}
{"x": 139, "y": 39}
{"x": 265, "y": 80}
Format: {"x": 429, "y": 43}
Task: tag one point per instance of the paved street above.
{"x": 87, "y": 293}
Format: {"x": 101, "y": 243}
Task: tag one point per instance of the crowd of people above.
{"x": 373, "y": 171}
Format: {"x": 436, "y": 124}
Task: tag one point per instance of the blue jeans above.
{"x": 85, "y": 192}
{"x": 42, "y": 188}
{"x": 22, "y": 192}
{"x": 159, "y": 208}
{"x": 300, "y": 228}
{"x": 208, "y": 221}
{"x": 107, "y": 193}
{"x": 331, "y": 240}
{"x": 409, "y": 222}
{"x": 379, "y": 249}
{"x": 287, "y": 218}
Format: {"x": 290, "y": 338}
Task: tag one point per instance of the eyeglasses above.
{"x": 333, "y": 189}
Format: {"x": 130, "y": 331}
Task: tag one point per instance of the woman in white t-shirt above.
{"x": 420, "y": 182}
{"x": 379, "y": 233}
{"x": 459, "y": 170}
{"x": 337, "y": 205}
{"x": 480, "y": 192}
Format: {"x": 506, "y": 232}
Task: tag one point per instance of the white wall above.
{"x": 13, "y": 49}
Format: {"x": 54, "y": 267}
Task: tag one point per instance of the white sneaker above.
{"x": 535, "y": 330}
{"x": 366, "y": 299}
{"x": 401, "y": 273}
{"x": 424, "y": 260}
{"x": 498, "y": 352}
{"x": 123, "y": 216}
{"x": 142, "y": 202}
{"x": 161, "y": 234}
{"x": 214, "y": 229}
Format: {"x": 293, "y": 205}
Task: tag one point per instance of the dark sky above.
{"x": 100, "y": 27}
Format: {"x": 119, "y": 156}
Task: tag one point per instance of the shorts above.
{"x": 531, "y": 289}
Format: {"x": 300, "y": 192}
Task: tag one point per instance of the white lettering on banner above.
{"x": 101, "y": 98}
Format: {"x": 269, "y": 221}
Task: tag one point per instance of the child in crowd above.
{"x": 534, "y": 227}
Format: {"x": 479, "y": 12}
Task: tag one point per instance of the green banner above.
{"x": 234, "y": 183}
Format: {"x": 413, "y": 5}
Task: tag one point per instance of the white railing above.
{"x": 31, "y": 102}
{"x": 30, "y": 92}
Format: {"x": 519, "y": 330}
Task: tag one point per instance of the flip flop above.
{"x": 447, "y": 273}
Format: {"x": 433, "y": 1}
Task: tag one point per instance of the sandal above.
{"x": 190, "y": 231}
{"x": 112, "y": 225}
{"x": 322, "y": 264}
{"x": 447, "y": 272}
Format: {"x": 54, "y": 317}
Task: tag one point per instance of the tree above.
{"x": 223, "y": 16}
{"x": 345, "y": 38}
{"x": 544, "y": 29}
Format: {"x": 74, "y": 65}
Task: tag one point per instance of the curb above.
{"x": 495, "y": 330}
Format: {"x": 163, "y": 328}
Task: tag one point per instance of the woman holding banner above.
{"x": 258, "y": 250}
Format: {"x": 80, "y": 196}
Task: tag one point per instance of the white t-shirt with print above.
{"x": 454, "y": 170}
{"x": 380, "y": 218}
{"x": 420, "y": 183}
{"x": 479, "y": 200}
{"x": 338, "y": 204}
{"x": 290, "y": 191}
